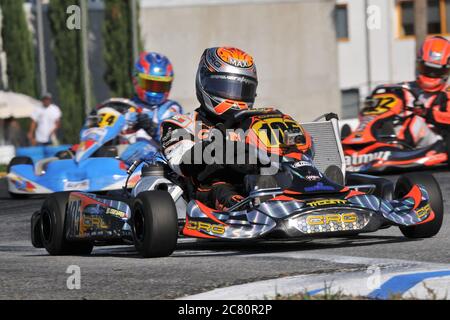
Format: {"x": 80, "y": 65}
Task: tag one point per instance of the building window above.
{"x": 438, "y": 14}
{"x": 341, "y": 22}
{"x": 406, "y": 18}
{"x": 350, "y": 103}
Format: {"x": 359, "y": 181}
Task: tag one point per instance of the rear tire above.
{"x": 404, "y": 185}
{"x": 154, "y": 224}
{"x": 52, "y": 228}
{"x": 345, "y": 131}
{"x": 36, "y": 239}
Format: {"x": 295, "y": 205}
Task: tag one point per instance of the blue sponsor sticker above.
{"x": 320, "y": 187}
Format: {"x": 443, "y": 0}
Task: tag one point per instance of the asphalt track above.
{"x": 196, "y": 266}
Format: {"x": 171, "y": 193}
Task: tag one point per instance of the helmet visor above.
{"x": 432, "y": 70}
{"x": 232, "y": 87}
{"x": 154, "y": 85}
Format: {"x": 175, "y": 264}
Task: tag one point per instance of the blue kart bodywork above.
{"x": 85, "y": 171}
{"x": 42, "y": 152}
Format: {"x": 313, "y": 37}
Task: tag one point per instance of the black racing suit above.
{"x": 218, "y": 186}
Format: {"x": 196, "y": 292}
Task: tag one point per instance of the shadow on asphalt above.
{"x": 238, "y": 248}
{"x": 261, "y": 247}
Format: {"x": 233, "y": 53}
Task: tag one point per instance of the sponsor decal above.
{"x": 93, "y": 222}
{"x": 312, "y": 178}
{"x": 73, "y": 208}
{"x": 360, "y": 159}
{"x": 326, "y": 202}
{"x": 326, "y": 219}
{"x": 206, "y": 227}
{"x": 23, "y": 185}
{"x": 319, "y": 187}
{"x": 331, "y": 221}
{"x": 300, "y": 164}
{"x": 424, "y": 211}
{"x": 76, "y": 185}
{"x": 116, "y": 213}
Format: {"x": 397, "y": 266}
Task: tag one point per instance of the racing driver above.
{"x": 152, "y": 81}
{"x": 226, "y": 83}
{"x": 431, "y": 102}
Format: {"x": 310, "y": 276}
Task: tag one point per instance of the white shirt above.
{"x": 46, "y": 119}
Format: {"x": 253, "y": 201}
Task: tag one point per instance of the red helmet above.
{"x": 433, "y": 66}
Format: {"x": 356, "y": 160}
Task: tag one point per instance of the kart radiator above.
{"x": 327, "y": 144}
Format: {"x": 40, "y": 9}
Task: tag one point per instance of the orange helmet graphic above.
{"x": 433, "y": 66}
{"x": 226, "y": 81}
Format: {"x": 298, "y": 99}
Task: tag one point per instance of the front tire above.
{"x": 14, "y": 162}
{"x": 446, "y": 137}
{"x": 52, "y": 228}
{"x": 404, "y": 185}
{"x": 345, "y": 131}
{"x": 154, "y": 224}
{"x": 19, "y": 160}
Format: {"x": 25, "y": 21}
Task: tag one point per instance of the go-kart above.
{"x": 377, "y": 146}
{"x": 304, "y": 199}
{"x": 89, "y": 166}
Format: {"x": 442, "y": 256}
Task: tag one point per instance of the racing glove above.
{"x": 144, "y": 122}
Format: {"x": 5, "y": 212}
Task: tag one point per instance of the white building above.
{"x": 286, "y": 37}
{"x": 386, "y": 52}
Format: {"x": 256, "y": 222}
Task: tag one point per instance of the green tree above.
{"x": 18, "y": 45}
{"x": 118, "y": 47}
{"x": 66, "y": 47}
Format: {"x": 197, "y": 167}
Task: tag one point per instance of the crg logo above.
{"x": 359, "y": 159}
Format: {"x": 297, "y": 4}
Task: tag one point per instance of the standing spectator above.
{"x": 46, "y": 120}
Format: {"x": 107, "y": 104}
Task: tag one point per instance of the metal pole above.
{"x": 420, "y": 21}
{"x": 41, "y": 47}
{"x": 134, "y": 28}
{"x": 368, "y": 58}
{"x": 85, "y": 56}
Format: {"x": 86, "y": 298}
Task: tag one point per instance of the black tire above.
{"x": 36, "y": 239}
{"x": 52, "y": 227}
{"x": 154, "y": 224}
{"x": 446, "y": 136}
{"x": 404, "y": 185}
{"x": 345, "y": 131}
{"x": 19, "y": 160}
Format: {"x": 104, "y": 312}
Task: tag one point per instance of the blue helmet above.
{"x": 153, "y": 78}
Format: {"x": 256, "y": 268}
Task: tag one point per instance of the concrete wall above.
{"x": 293, "y": 43}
